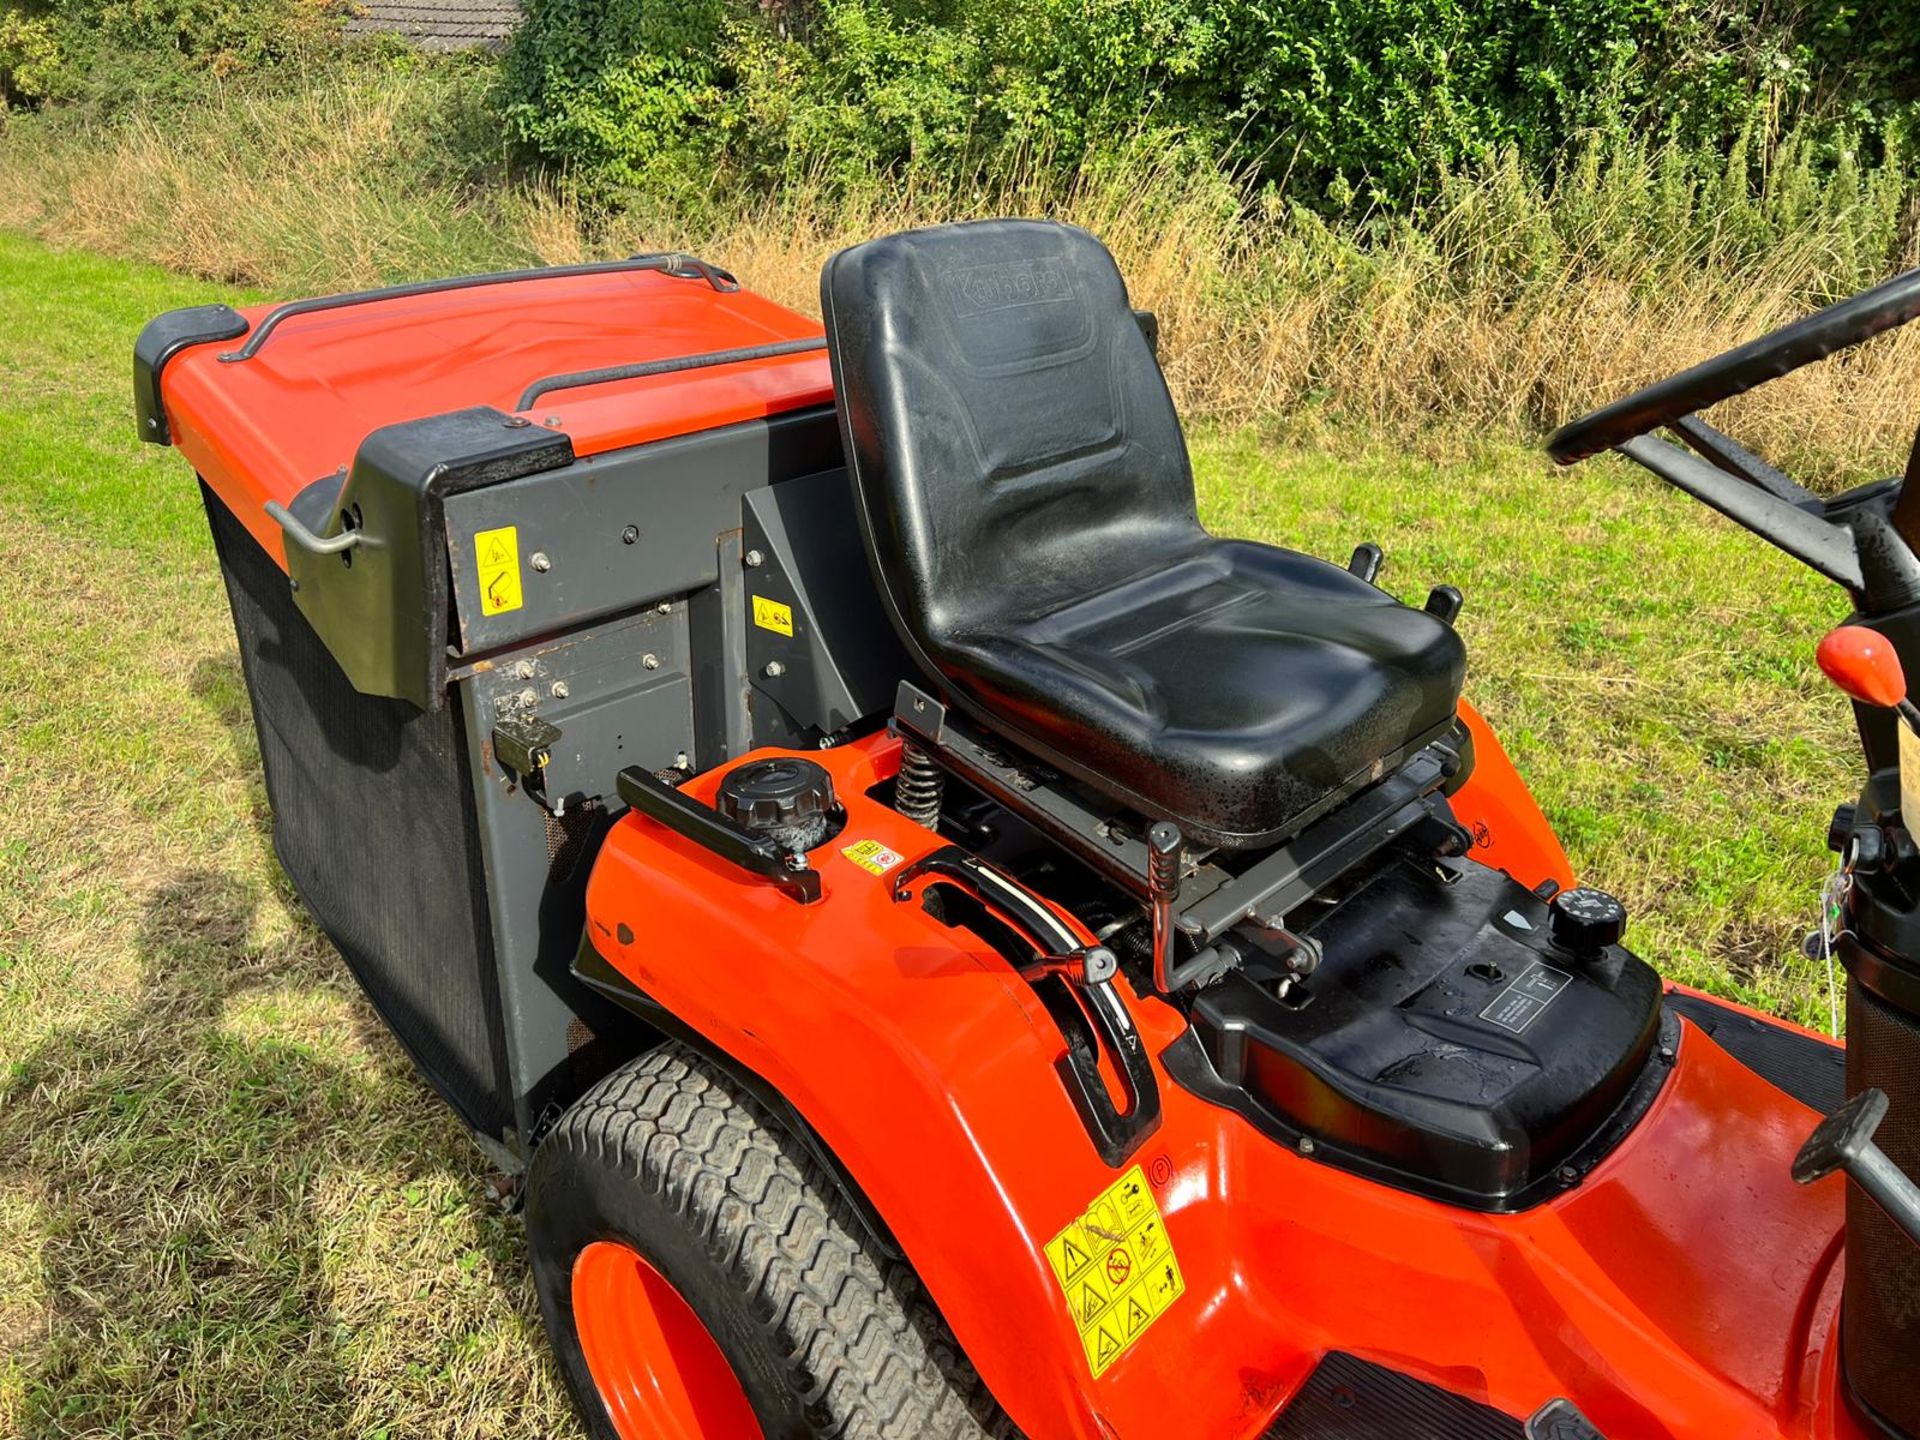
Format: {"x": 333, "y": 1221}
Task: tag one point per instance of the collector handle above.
{"x": 674, "y": 263}
{"x": 295, "y": 529}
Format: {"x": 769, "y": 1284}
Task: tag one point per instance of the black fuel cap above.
{"x": 785, "y": 797}
{"x": 1584, "y": 922}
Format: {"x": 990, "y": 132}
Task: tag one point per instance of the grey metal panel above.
{"x": 650, "y": 725}
{"x": 615, "y": 711}
{"x": 674, "y": 497}
{"x": 439, "y": 24}
{"x": 843, "y": 660}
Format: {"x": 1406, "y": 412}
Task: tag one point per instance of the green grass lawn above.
{"x": 226, "y": 1205}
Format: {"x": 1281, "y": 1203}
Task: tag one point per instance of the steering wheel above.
{"x": 1738, "y": 484}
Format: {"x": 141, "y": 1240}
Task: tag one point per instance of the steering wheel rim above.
{"x": 1885, "y": 307}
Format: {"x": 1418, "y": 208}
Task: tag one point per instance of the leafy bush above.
{"x": 613, "y": 89}
{"x": 30, "y": 57}
{"x": 1367, "y": 102}
{"x": 117, "y": 54}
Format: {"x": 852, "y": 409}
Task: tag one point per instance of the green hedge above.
{"x": 1349, "y": 102}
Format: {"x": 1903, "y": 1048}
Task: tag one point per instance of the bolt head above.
{"x": 629, "y": 535}
{"x": 561, "y": 690}
{"x": 651, "y": 662}
{"x": 754, "y": 559}
{"x": 1307, "y": 1147}
{"x": 540, "y": 561}
{"x": 775, "y": 670}
{"x": 528, "y": 699}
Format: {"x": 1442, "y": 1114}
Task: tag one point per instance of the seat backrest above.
{"x": 1010, "y": 436}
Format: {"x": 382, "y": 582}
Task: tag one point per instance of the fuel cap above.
{"x": 1584, "y": 922}
{"x": 785, "y": 797}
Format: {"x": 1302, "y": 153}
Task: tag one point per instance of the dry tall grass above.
{"x": 1507, "y": 308}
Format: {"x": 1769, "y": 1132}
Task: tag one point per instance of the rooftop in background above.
{"x": 439, "y": 24}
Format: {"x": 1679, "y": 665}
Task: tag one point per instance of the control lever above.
{"x": 1163, "y": 886}
{"x": 1863, "y": 663}
{"x": 1844, "y": 1141}
{"x": 1116, "y": 1132}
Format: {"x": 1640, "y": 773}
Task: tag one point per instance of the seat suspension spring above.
{"x": 919, "y": 788}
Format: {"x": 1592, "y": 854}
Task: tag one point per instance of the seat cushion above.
{"x": 1239, "y": 690}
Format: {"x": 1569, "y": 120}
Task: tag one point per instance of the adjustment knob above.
{"x": 1585, "y": 922}
{"x": 785, "y": 797}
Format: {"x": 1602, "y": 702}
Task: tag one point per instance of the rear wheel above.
{"x": 701, "y": 1280}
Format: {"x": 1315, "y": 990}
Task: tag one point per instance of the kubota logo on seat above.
{"x": 1003, "y": 287}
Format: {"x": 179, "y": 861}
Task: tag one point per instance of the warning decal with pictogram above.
{"x": 496, "y": 556}
{"x": 1116, "y": 1268}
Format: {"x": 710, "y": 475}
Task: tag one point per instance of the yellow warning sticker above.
{"x": 497, "y": 553}
{"x": 1115, "y": 1265}
{"x": 872, "y": 856}
{"x": 772, "y": 615}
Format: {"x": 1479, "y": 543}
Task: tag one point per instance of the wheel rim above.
{"x": 659, "y": 1371}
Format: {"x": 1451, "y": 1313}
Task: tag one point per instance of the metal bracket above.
{"x": 711, "y": 830}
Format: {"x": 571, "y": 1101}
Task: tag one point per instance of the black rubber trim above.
{"x": 681, "y": 267}
{"x": 164, "y": 337}
{"x": 1347, "y": 1398}
{"x": 1807, "y": 1068}
{"x": 580, "y": 379}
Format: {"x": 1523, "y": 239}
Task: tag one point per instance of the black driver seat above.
{"x": 1026, "y": 501}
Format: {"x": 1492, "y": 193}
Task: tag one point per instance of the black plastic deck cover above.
{"x": 1347, "y": 1398}
{"x": 1810, "y": 1070}
{"x": 1445, "y": 1048}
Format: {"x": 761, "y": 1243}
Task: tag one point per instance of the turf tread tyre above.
{"x": 830, "y": 1338}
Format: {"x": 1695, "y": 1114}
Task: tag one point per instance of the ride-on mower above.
{"x": 949, "y": 947}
